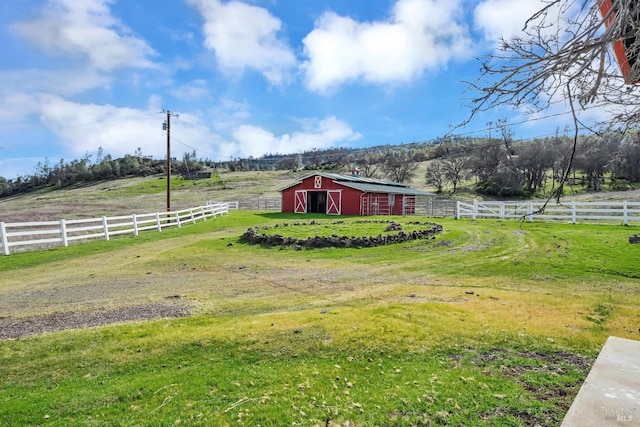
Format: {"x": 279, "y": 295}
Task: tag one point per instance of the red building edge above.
{"x": 625, "y": 59}
{"x": 349, "y": 195}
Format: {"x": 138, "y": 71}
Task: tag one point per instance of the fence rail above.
{"x": 55, "y": 233}
{"x": 424, "y": 206}
{"x": 573, "y": 212}
{"x": 435, "y": 208}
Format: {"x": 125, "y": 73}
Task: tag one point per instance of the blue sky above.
{"x": 246, "y": 77}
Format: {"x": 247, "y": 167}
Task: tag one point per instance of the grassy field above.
{"x": 489, "y": 324}
{"x": 141, "y": 194}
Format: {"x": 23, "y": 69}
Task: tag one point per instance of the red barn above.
{"x": 349, "y": 195}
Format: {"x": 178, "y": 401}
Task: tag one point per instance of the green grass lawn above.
{"x": 489, "y": 324}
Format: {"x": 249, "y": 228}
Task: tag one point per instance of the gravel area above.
{"x": 20, "y": 327}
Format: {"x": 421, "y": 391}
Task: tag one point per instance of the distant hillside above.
{"x": 604, "y": 166}
{"x": 139, "y": 194}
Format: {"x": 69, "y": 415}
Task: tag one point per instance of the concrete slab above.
{"x": 610, "y": 396}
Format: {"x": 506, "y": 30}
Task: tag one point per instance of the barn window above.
{"x": 392, "y": 200}
{"x": 317, "y": 183}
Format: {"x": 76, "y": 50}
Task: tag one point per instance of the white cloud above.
{"x": 86, "y": 29}
{"x": 82, "y": 128}
{"x": 245, "y": 36}
{"x": 229, "y": 114}
{"x": 504, "y": 18}
{"x": 193, "y": 90}
{"x": 420, "y": 35}
{"x": 255, "y": 141}
{"x": 64, "y": 82}
{"x": 17, "y": 106}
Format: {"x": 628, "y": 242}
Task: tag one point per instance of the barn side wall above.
{"x": 353, "y": 202}
{"x": 288, "y": 197}
{"x": 350, "y": 199}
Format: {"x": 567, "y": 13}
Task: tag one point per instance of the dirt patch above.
{"x": 530, "y": 369}
{"x": 20, "y": 327}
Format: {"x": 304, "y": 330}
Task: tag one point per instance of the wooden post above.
{"x": 574, "y": 217}
{"x": 474, "y": 215}
{"x": 177, "y": 219}
{"x": 158, "y": 221}
{"x": 530, "y": 211}
{"x": 63, "y": 232}
{"x": 168, "y": 161}
{"x": 625, "y": 213}
{"x": 5, "y": 239}
{"x": 105, "y": 225}
{"x": 135, "y": 224}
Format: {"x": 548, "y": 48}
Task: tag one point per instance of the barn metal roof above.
{"x": 375, "y": 188}
{"x": 367, "y": 185}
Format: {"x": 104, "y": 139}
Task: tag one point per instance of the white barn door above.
{"x": 300, "y": 201}
{"x": 334, "y": 202}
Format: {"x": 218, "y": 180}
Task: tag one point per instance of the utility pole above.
{"x": 167, "y": 126}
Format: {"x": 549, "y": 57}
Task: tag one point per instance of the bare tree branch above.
{"x": 565, "y": 53}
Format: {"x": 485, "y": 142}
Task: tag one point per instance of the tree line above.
{"x": 505, "y": 168}
{"x": 105, "y": 167}
{"x": 500, "y": 167}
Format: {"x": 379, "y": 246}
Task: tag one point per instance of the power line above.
{"x": 534, "y": 119}
{"x": 194, "y": 148}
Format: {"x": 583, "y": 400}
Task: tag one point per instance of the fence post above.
{"x": 501, "y": 210}
{"x": 63, "y": 232}
{"x": 574, "y": 217}
{"x": 135, "y": 224}
{"x": 530, "y": 211}
{"x": 193, "y": 220}
{"x": 5, "y": 239}
{"x": 158, "y": 221}
{"x": 177, "y": 219}
{"x": 106, "y": 228}
{"x": 457, "y": 209}
{"x": 625, "y": 213}
{"x": 475, "y": 209}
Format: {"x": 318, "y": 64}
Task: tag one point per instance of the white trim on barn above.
{"x": 334, "y": 202}
{"x": 300, "y": 204}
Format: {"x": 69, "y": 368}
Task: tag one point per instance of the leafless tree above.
{"x": 435, "y": 175}
{"x": 596, "y": 154}
{"x": 288, "y": 163}
{"x": 398, "y": 166}
{"x": 485, "y": 159}
{"x": 534, "y": 159}
{"x": 455, "y": 168}
{"x": 626, "y": 162}
{"x": 565, "y": 52}
{"x": 368, "y": 165}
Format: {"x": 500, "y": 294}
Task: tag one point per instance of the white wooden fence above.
{"x": 54, "y": 233}
{"x": 624, "y": 212}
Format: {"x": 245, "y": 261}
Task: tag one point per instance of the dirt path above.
{"x": 11, "y": 328}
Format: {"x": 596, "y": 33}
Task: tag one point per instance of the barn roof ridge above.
{"x": 358, "y": 178}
